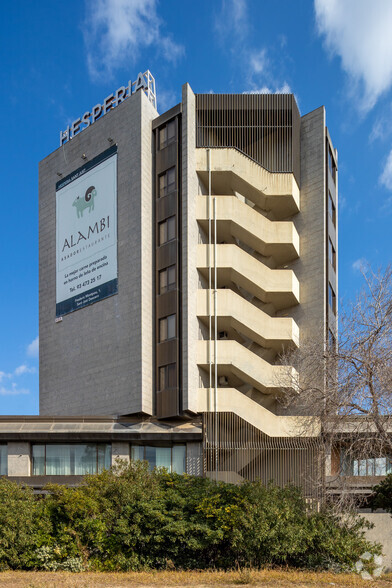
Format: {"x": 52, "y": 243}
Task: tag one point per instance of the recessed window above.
{"x": 73, "y": 459}
{"x": 167, "y": 230}
{"x": 167, "y": 279}
{"x": 331, "y": 164}
{"x": 331, "y": 254}
{"x": 331, "y": 209}
{"x": 331, "y": 339}
{"x": 167, "y": 134}
{"x": 167, "y": 328}
{"x": 332, "y": 298}
{"x": 3, "y": 459}
{"x": 172, "y": 458}
{"x": 167, "y": 376}
{"x": 369, "y": 466}
{"x": 167, "y": 182}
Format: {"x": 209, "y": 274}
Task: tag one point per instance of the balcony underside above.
{"x": 279, "y": 287}
{"x": 278, "y": 239}
{"x": 232, "y": 400}
{"x": 247, "y": 319}
{"x": 236, "y": 360}
{"x": 231, "y": 171}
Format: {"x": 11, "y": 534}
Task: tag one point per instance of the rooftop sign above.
{"x": 144, "y": 82}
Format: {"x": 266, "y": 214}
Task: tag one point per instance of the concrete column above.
{"x": 194, "y": 459}
{"x": 120, "y": 450}
{"x": 19, "y": 462}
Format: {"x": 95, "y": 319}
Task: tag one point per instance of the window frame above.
{"x": 331, "y": 298}
{"x": 165, "y": 223}
{"x": 166, "y": 369}
{"x": 4, "y": 467}
{"x": 72, "y": 458}
{"x": 331, "y": 253}
{"x": 172, "y": 446}
{"x": 167, "y": 188}
{"x": 331, "y": 209}
{"x": 167, "y": 320}
{"x": 162, "y": 144}
{"x": 169, "y": 285}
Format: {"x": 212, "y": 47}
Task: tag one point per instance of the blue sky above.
{"x": 60, "y": 58}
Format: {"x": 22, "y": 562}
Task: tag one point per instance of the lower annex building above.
{"x": 179, "y": 255}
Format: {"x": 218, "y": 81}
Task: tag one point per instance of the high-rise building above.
{"x": 179, "y": 255}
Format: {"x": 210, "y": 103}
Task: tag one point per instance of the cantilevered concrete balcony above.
{"x": 278, "y": 239}
{"x": 233, "y": 358}
{"x": 232, "y": 171}
{"x": 278, "y": 286}
{"x": 246, "y": 318}
{"x": 232, "y": 400}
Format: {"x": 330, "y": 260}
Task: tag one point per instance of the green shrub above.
{"x": 129, "y": 518}
{"x": 24, "y": 526}
{"x": 382, "y": 495}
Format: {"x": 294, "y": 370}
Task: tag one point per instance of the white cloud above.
{"x": 13, "y": 390}
{"x": 359, "y": 265}
{"x": 4, "y": 375}
{"x": 116, "y": 31}
{"x": 258, "y": 61}
{"x": 284, "y": 89}
{"x": 24, "y": 369}
{"x": 33, "y": 348}
{"x": 359, "y": 32}
{"x": 386, "y": 176}
{"x": 232, "y": 21}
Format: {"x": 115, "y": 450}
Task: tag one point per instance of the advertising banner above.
{"x": 86, "y": 234}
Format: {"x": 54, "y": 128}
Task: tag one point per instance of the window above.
{"x": 167, "y": 230}
{"x": 332, "y": 298}
{"x": 331, "y": 209}
{"x": 167, "y": 328}
{"x": 3, "y": 459}
{"x": 56, "y": 459}
{"x": 370, "y": 466}
{"x": 167, "y": 376}
{"x": 331, "y": 339}
{"x": 167, "y": 182}
{"x": 331, "y": 254}
{"x": 167, "y": 134}
{"x": 172, "y": 458}
{"x": 167, "y": 279}
{"x": 331, "y": 164}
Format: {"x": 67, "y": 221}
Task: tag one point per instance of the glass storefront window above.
{"x": 171, "y": 458}
{"x": 77, "y": 459}
{"x": 370, "y": 466}
{"x": 3, "y": 460}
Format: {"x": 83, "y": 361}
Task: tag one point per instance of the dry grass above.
{"x": 276, "y": 578}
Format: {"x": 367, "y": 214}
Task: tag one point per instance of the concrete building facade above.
{"x": 225, "y": 255}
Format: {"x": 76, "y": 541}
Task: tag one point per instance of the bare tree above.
{"x": 347, "y": 382}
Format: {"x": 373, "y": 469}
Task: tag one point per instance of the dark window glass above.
{"x": 331, "y": 164}
{"x": 3, "y": 459}
{"x": 167, "y": 328}
{"x": 331, "y": 209}
{"x": 331, "y": 339}
{"x": 167, "y": 230}
{"x": 167, "y": 376}
{"x": 167, "y": 182}
{"x": 167, "y": 279}
{"x": 331, "y": 254}
{"x": 332, "y": 298}
{"x": 167, "y": 134}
